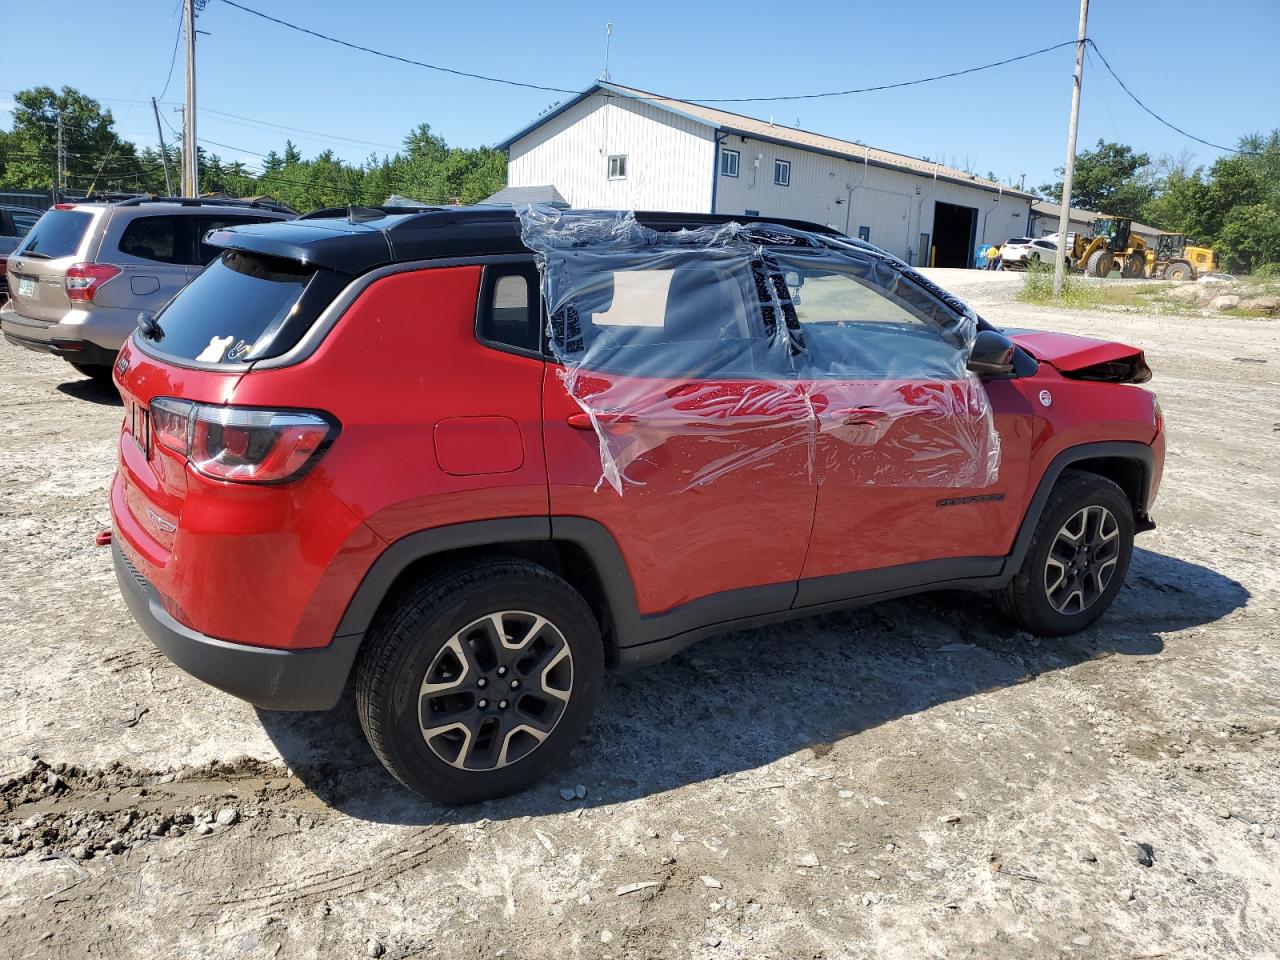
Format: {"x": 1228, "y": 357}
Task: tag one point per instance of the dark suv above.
{"x": 86, "y": 270}
{"x": 15, "y": 223}
{"x": 475, "y": 459}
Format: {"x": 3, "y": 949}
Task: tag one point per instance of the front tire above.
{"x": 1077, "y": 560}
{"x": 1178, "y": 271}
{"x": 480, "y": 679}
{"x": 1099, "y": 264}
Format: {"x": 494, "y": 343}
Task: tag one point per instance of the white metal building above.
{"x": 617, "y": 147}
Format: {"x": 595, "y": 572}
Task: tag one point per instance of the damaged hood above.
{"x": 1084, "y": 358}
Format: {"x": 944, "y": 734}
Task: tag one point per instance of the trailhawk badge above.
{"x": 1046, "y": 398}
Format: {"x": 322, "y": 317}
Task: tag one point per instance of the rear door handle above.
{"x": 579, "y": 421}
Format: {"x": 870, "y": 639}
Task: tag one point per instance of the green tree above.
{"x": 95, "y": 154}
{"x": 1111, "y": 178}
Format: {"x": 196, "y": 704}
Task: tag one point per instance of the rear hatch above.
{"x": 242, "y": 308}
{"x": 38, "y": 268}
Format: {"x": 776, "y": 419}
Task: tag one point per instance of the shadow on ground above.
{"x": 92, "y": 390}
{"x": 741, "y": 700}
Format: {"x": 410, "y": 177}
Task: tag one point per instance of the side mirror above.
{"x": 992, "y": 355}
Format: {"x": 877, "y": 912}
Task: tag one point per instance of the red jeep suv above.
{"x": 476, "y": 458}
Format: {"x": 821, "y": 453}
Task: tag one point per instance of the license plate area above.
{"x": 26, "y": 286}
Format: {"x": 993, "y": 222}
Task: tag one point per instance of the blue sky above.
{"x": 1208, "y": 68}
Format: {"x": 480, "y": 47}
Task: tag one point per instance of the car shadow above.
{"x": 93, "y": 391}
{"x": 740, "y": 700}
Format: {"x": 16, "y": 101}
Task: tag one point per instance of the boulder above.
{"x": 1228, "y": 301}
{"x": 1267, "y": 305}
{"x": 1185, "y": 291}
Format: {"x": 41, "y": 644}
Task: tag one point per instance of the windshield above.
{"x": 57, "y": 234}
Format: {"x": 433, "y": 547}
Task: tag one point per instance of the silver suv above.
{"x": 87, "y": 270}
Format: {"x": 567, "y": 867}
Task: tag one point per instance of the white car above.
{"x": 1022, "y": 251}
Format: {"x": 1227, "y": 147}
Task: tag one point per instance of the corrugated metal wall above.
{"x": 669, "y": 158}
{"x": 896, "y": 207}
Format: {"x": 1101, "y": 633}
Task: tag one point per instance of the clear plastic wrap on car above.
{"x": 755, "y": 340}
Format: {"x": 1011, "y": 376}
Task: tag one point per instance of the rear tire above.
{"x": 479, "y": 680}
{"x": 1077, "y": 560}
{"x": 1135, "y": 268}
{"x": 1178, "y": 271}
{"x": 1099, "y": 264}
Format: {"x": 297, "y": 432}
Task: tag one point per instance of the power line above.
{"x": 1134, "y": 97}
{"x": 392, "y": 56}
{"x": 879, "y": 87}
{"x": 173, "y": 59}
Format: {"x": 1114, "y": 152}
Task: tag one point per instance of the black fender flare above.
{"x": 1110, "y": 449}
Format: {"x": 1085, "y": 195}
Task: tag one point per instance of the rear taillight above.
{"x": 84, "y": 279}
{"x": 243, "y": 444}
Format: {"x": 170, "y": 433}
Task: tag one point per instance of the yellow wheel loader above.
{"x": 1175, "y": 259}
{"x": 1111, "y": 245}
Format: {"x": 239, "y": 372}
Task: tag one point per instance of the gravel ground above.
{"x": 912, "y": 780}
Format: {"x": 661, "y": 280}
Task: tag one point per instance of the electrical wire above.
{"x": 1134, "y": 97}
{"x": 173, "y": 59}
{"x": 392, "y": 56}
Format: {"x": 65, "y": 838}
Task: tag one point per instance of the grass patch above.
{"x": 1037, "y": 287}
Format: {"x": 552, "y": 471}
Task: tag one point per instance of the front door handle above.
{"x": 582, "y": 420}
{"x": 860, "y": 416}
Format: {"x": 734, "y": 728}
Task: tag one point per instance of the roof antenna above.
{"x": 608, "y": 42}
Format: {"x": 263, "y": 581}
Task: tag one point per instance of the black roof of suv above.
{"x": 356, "y": 239}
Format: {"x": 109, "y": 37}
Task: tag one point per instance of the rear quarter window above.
{"x": 236, "y": 310}
{"x": 57, "y": 234}
{"x": 154, "y": 238}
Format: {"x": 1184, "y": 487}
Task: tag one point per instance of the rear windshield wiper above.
{"x": 150, "y": 326}
{"x": 34, "y": 255}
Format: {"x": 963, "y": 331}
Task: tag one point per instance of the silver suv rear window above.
{"x": 57, "y": 234}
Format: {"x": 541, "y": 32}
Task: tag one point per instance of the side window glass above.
{"x": 23, "y": 222}
{"x": 867, "y": 322}
{"x": 510, "y": 308}
{"x": 154, "y": 238}
{"x": 693, "y": 316}
{"x": 200, "y": 227}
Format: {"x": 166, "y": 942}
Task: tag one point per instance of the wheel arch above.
{"x": 581, "y": 551}
{"x": 1128, "y": 464}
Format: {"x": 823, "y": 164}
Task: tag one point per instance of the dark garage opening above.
{"x": 954, "y": 227}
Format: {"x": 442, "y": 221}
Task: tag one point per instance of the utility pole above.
{"x": 164, "y": 151}
{"x": 1069, "y": 170}
{"x": 190, "y": 153}
{"x": 62, "y": 165}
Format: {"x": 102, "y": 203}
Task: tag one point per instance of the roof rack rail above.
{"x": 206, "y": 202}
{"x": 344, "y": 213}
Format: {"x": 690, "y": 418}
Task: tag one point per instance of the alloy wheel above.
{"x": 1082, "y": 560}
{"x": 495, "y": 690}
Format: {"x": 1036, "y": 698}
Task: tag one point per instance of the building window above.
{"x": 618, "y": 167}
{"x": 749, "y": 213}
{"x": 782, "y": 173}
{"x": 864, "y": 233}
{"x": 729, "y": 163}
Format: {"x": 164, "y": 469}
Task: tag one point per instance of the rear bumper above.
{"x": 89, "y": 336}
{"x": 272, "y": 679}
{"x": 75, "y": 351}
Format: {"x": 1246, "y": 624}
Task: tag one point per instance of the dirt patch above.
{"x": 916, "y": 779}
